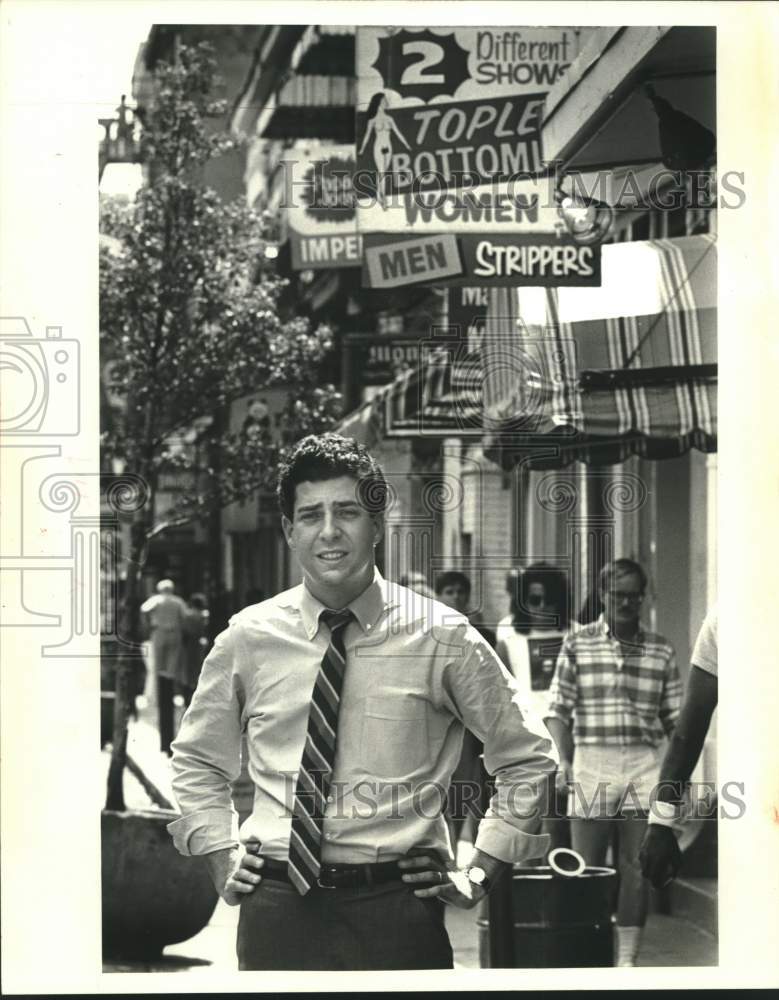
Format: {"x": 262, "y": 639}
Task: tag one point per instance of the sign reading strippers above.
{"x": 450, "y": 158}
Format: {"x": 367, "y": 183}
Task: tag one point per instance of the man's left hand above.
{"x": 451, "y": 885}
{"x": 660, "y": 856}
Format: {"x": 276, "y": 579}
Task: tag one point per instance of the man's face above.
{"x": 622, "y": 600}
{"x": 455, "y": 596}
{"x": 333, "y": 537}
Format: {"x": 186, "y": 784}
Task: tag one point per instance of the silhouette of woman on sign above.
{"x": 381, "y": 126}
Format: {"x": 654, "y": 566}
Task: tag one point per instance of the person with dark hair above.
{"x": 354, "y": 699}
{"x": 538, "y": 610}
{"x": 621, "y": 687}
{"x": 453, "y": 589}
{"x": 528, "y": 641}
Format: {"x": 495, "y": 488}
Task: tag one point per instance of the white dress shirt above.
{"x": 417, "y": 674}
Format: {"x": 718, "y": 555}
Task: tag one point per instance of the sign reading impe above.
{"x": 321, "y": 209}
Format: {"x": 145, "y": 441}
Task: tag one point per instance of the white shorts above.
{"x": 611, "y": 780}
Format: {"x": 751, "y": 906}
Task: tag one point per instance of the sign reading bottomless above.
{"x": 478, "y": 259}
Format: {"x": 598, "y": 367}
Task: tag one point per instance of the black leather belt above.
{"x": 338, "y": 876}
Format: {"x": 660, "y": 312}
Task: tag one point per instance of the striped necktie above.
{"x": 316, "y": 767}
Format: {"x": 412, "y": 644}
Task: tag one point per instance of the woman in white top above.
{"x": 529, "y": 637}
{"x": 528, "y": 642}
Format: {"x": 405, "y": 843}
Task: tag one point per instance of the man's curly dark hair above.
{"x": 328, "y": 456}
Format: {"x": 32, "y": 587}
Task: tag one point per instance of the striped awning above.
{"x": 588, "y": 374}
{"x": 442, "y": 397}
{"x": 599, "y": 374}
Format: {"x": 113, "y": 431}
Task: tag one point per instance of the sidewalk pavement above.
{"x": 668, "y": 940}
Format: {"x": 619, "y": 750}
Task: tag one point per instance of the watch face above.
{"x": 477, "y": 875}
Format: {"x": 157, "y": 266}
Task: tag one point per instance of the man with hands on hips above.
{"x": 354, "y": 696}
{"x": 460, "y": 888}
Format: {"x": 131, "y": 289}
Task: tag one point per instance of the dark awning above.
{"x": 310, "y": 107}
{"x": 325, "y": 50}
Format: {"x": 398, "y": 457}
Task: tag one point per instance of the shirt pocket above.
{"x": 394, "y": 736}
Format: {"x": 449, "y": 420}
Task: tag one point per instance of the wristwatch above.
{"x": 478, "y": 876}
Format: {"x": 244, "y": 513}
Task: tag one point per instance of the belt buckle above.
{"x": 324, "y": 885}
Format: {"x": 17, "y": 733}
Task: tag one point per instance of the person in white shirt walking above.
{"x": 165, "y": 614}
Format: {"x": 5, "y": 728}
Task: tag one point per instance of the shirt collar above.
{"x": 604, "y": 628}
{"x": 367, "y": 608}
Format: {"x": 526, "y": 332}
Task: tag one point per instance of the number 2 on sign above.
{"x": 430, "y": 55}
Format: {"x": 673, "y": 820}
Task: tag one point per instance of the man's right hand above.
{"x": 245, "y": 877}
{"x": 660, "y": 856}
{"x": 235, "y": 874}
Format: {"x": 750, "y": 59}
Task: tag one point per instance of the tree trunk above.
{"x": 217, "y": 596}
{"x": 130, "y": 638}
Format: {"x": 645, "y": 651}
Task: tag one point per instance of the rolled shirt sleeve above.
{"x": 207, "y": 753}
{"x": 518, "y": 751}
{"x": 704, "y": 655}
{"x": 563, "y": 689}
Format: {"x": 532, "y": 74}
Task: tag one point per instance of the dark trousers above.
{"x": 165, "y": 689}
{"x": 379, "y": 927}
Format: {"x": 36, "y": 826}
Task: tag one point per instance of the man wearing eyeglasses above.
{"x": 620, "y": 687}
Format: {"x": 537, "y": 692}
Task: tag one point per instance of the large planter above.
{"x": 152, "y": 895}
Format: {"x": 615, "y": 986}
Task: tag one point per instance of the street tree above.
{"x": 191, "y": 321}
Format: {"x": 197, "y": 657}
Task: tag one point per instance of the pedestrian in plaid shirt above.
{"x": 620, "y": 687}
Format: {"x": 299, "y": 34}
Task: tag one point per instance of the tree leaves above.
{"x": 185, "y": 327}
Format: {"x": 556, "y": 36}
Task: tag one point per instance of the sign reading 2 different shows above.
{"x": 321, "y": 216}
{"x": 451, "y": 183}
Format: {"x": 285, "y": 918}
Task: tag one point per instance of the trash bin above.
{"x": 539, "y": 920}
